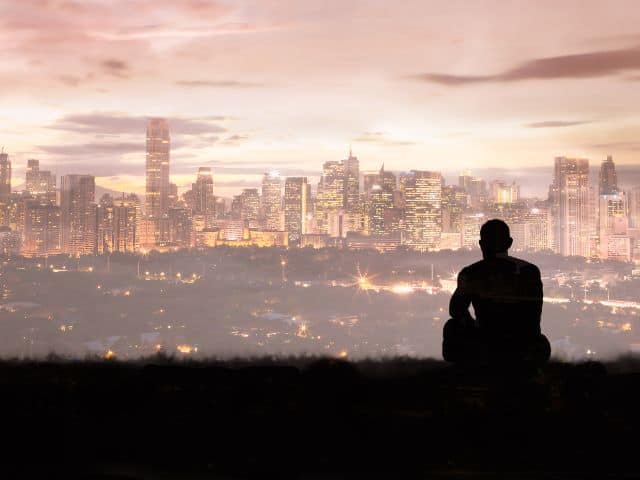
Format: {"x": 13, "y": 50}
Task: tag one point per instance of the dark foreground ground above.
{"x": 317, "y": 419}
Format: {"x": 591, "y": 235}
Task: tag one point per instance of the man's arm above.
{"x": 533, "y": 294}
{"x": 461, "y": 299}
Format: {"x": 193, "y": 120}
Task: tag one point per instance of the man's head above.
{"x": 495, "y": 238}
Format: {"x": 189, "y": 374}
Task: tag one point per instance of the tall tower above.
{"x": 295, "y": 207}
{"x": 330, "y": 193}
{"x": 5, "y": 176}
{"x": 380, "y": 201}
{"x": 608, "y": 177}
{"x": 78, "y": 214}
{"x": 423, "y": 210}
{"x": 351, "y": 183}
{"x": 157, "y": 173}
{"x": 569, "y": 201}
{"x": 32, "y": 175}
{"x": 203, "y": 201}
{"x": 272, "y": 200}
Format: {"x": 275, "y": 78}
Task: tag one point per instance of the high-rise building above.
{"x": 502, "y": 192}
{"x": 471, "y": 224}
{"x": 180, "y": 227}
{"x": 40, "y": 183}
{"x": 351, "y": 183}
{"x": 531, "y": 229}
{"x": 117, "y": 224}
{"x": 157, "y": 188}
{"x": 634, "y": 207}
{"x": 330, "y": 193}
{"x": 126, "y": 213}
{"x": 5, "y": 176}
{"x": 423, "y": 210}
{"x": 104, "y": 225}
{"x": 32, "y": 175}
{"x": 455, "y": 201}
{"x": 203, "y": 203}
{"x": 613, "y": 227}
{"x": 249, "y": 207}
{"x": 608, "y": 177}
{"x": 42, "y": 229}
{"x": 78, "y": 214}
{"x": 464, "y": 180}
{"x": 295, "y": 207}
{"x": 380, "y": 202}
{"x": 369, "y": 180}
{"x": 569, "y": 202}
{"x": 272, "y": 201}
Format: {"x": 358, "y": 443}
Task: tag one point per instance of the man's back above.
{"x": 506, "y": 294}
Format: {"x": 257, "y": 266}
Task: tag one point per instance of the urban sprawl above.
{"x": 129, "y": 276}
{"x": 380, "y": 210}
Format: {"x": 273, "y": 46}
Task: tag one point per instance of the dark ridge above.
{"x": 316, "y": 418}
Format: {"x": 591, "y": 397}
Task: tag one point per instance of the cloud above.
{"x": 115, "y": 67}
{"x": 557, "y": 123}
{"x": 380, "y": 138}
{"x": 93, "y": 149}
{"x": 115, "y": 123}
{"x": 612, "y": 146}
{"x": 235, "y": 139}
{"x": 219, "y": 84}
{"x": 582, "y": 65}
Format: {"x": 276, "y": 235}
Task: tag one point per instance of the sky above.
{"x": 252, "y": 86}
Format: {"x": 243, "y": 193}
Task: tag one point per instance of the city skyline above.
{"x": 416, "y": 209}
{"x": 255, "y": 86}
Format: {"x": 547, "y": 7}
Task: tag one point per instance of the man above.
{"x": 506, "y": 294}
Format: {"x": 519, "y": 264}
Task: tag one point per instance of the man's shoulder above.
{"x": 481, "y": 266}
{"x": 473, "y": 269}
{"x": 523, "y": 265}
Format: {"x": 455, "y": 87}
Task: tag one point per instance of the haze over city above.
{"x": 255, "y": 86}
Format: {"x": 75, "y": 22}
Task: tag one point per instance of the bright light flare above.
{"x": 402, "y": 289}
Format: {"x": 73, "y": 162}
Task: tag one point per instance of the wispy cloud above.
{"x": 557, "y": 123}
{"x": 582, "y": 65}
{"x": 115, "y": 67}
{"x": 116, "y": 123}
{"x": 380, "y": 138}
{"x": 613, "y": 146}
{"x": 219, "y": 84}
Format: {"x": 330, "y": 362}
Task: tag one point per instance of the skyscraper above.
{"x": 272, "y": 201}
{"x": 249, "y": 207}
{"x": 569, "y": 201}
{"x": 295, "y": 207}
{"x": 608, "y": 177}
{"x": 5, "y": 176}
{"x": 32, "y": 175}
{"x": 41, "y": 231}
{"x": 201, "y": 199}
{"x": 126, "y": 214}
{"x": 502, "y": 192}
{"x": 330, "y": 193}
{"x": 157, "y": 174}
{"x": 423, "y": 210}
{"x": 351, "y": 183}
{"x": 380, "y": 201}
{"x": 78, "y": 212}
{"x": 613, "y": 226}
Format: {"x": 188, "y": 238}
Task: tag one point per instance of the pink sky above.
{"x": 251, "y": 86}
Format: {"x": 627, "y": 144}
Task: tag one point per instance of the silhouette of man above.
{"x": 506, "y": 294}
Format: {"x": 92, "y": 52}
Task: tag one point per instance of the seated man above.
{"x": 506, "y": 294}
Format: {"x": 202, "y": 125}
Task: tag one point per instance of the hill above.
{"x": 317, "y": 418}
